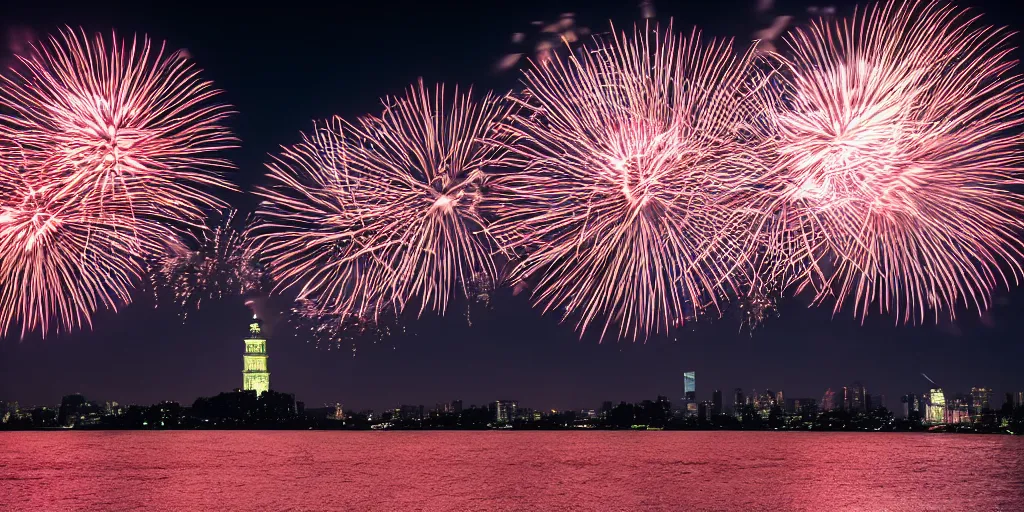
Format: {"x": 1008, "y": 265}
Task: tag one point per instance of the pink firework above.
{"x": 378, "y": 213}
{"x": 223, "y": 263}
{"x": 896, "y": 155}
{"x": 112, "y": 159}
{"x": 625, "y": 156}
{"x": 131, "y": 129}
{"x": 60, "y": 260}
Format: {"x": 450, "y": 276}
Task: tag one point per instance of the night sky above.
{"x": 282, "y": 68}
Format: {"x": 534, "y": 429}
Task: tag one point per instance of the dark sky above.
{"x": 286, "y": 66}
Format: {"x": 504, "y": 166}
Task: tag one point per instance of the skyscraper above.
{"x": 911, "y": 407}
{"x": 690, "y": 392}
{"x": 1018, "y": 399}
{"x": 689, "y": 385}
{"x": 716, "y": 402}
{"x": 958, "y": 409}
{"x": 738, "y": 402}
{"x": 936, "y": 406}
{"x": 254, "y": 363}
{"x": 704, "y": 410}
{"x": 506, "y": 410}
{"x": 858, "y": 400}
{"x": 981, "y": 399}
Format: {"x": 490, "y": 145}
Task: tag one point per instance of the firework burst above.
{"x": 223, "y": 265}
{"x": 119, "y": 125}
{"x": 60, "y": 260}
{"x": 113, "y": 150}
{"x": 625, "y": 155}
{"x": 901, "y": 139}
{"x": 375, "y": 214}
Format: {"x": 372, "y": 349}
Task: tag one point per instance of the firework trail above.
{"x": 223, "y": 265}
{"x": 60, "y": 260}
{"x": 113, "y": 154}
{"x": 901, "y": 139}
{"x": 375, "y": 214}
{"x": 624, "y": 155}
{"x": 117, "y": 124}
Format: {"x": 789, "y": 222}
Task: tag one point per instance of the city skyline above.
{"x": 856, "y": 396}
{"x": 145, "y": 354}
{"x": 852, "y": 409}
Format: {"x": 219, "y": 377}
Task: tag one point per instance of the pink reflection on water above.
{"x": 254, "y": 470}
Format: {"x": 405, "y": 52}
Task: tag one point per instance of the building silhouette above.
{"x": 255, "y": 376}
{"x": 911, "y": 407}
{"x": 857, "y": 398}
{"x": 738, "y": 402}
{"x": 704, "y": 410}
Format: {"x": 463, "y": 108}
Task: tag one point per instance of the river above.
{"x": 509, "y": 470}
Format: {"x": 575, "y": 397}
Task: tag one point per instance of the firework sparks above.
{"x": 372, "y": 215}
{"x": 60, "y": 260}
{"x": 329, "y": 332}
{"x": 114, "y": 151}
{"x": 617, "y": 205}
{"x": 895, "y": 157}
{"x": 223, "y": 265}
{"x": 549, "y": 37}
{"x": 756, "y": 306}
{"x": 120, "y": 125}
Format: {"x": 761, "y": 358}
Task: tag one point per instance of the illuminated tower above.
{"x": 254, "y": 371}
{"x": 690, "y": 393}
{"x": 936, "y": 406}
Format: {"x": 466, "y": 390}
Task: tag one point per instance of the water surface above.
{"x": 510, "y": 470}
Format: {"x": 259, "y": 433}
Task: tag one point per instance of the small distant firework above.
{"x": 369, "y": 216}
{"x": 480, "y": 292}
{"x": 623, "y": 158}
{"x": 647, "y": 10}
{"x": 223, "y": 265}
{"x": 756, "y": 306}
{"x": 767, "y": 37}
{"x": 127, "y": 129}
{"x": 480, "y": 287}
{"x": 542, "y": 45}
{"x": 329, "y": 331}
{"x": 898, "y": 153}
{"x": 821, "y": 10}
